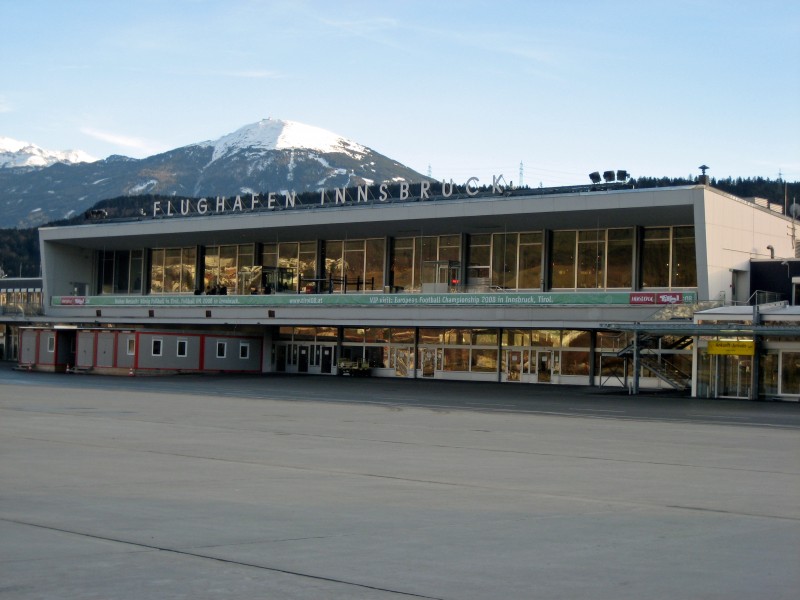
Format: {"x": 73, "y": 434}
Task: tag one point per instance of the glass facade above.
{"x": 20, "y": 301}
{"x": 576, "y": 259}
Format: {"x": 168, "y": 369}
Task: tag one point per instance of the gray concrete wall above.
{"x": 232, "y": 360}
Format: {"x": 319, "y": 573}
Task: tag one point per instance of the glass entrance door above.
{"x": 302, "y": 360}
{"x": 514, "y": 365}
{"x": 427, "y": 359}
{"x": 544, "y": 366}
{"x": 734, "y": 376}
{"x": 403, "y": 359}
{"x": 326, "y": 364}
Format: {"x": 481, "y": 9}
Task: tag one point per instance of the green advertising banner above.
{"x": 498, "y": 299}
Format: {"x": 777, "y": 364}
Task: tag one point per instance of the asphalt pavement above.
{"x": 337, "y": 488}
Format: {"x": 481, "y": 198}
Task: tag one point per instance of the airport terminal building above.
{"x": 593, "y": 285}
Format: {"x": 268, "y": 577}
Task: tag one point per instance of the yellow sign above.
{"x": 729, "y": 347}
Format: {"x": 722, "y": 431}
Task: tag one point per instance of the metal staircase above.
{"x": 666, "y": 372}
{"x": 661, "y": 368}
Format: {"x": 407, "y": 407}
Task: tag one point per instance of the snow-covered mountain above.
{"x": 268, "y": 156}
{"x": 14, "y": 153}
{"x": 269, "y": 134}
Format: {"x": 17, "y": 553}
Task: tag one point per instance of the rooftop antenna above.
{"x": 794, "y": 210}
{"x": 521, "y": 184}
{"x": 429, "y": 169}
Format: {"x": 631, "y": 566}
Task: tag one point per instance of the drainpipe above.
{"x": 636, "y": 364}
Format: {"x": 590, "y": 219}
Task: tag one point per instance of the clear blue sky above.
{"x": 465, "y": 87}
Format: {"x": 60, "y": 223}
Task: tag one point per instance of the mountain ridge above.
{"x": 269, "y": 155}
{"x": 19, "y": 154}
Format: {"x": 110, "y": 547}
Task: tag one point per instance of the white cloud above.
{"x": 124, "y": 141}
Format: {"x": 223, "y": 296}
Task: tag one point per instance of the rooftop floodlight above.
{"x": 608, "y": 176}
{"x": 622, "y": 175}
{"x": 595, "y": 177}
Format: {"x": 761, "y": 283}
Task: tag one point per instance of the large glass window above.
{"x": 591, "y": 259}
{"x": 530, "y": 260}
{"x": 229, "y": 269}
{"x": 105, "y": 273}
{"x": 479, "y": 258}
{"x": 450, "y": 247}
{"x": 483, "y": 360}
{"x": 413, "y": 259}
{"x": 456, "y": 359}
{"x": 546, "y": 337}
{"x": 504, "y": 260}
{"x": 619, "y": 264}
{"x": 173, "y": 270}
{"x": 768, "y": 374}
{"x": 307, "y": 260}
{"x": 668, "y": 257}
{"x": 288, "y": 261}
{"x": 516, "y": 337}
{"x": 120, "y": 271}
{"x": 283, "y": 263}
{"x": 790, "y": 373}
{"x": 369, "y": 343}
{"x": 562, "y": 259}
{"x": 374, "y": 261}
{"x": 461, "y": 349}
{"x": 684, "y": 264}
{"x": 354, "y": 265}
{"x": 403, "y": 263}
{"x": 655, "y": 257}
{"x": 431, "y": 335}
{"x": 426, "y": 250}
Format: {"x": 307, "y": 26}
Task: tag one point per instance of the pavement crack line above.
{"x": 221, "y": 560}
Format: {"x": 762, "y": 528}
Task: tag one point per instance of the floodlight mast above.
{"x": 621, "y": 176}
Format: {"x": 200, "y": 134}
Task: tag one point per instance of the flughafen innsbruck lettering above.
{"x": 338, "y": 196}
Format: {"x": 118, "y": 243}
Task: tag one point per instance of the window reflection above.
{"x": 173, "y": 270}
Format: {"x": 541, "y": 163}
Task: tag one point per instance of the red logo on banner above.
{"x": 672, "y": 298}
